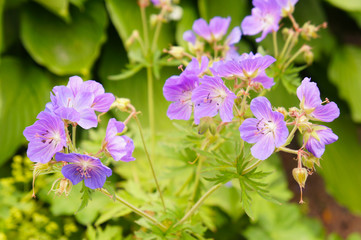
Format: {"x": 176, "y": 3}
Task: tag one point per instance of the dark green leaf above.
{"x": 59, "y": 7}
{"x": 65, "y": 48}
{"x": 86, "y": 193}
{"x": 349, "y": 5}
{"x": 125, "y": 74}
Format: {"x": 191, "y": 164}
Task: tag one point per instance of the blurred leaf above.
{"x": 357, "y": 17}
{"x": 341, "y": 163}
{"x": 109, "y": 233}
{"x": 345, "y": 71}
{"x": 78, "y": 3}
{"x": 24, "y": 90}
{"x": 236, "y": 9}
{"x": 349, "y": 5}
{"x": 186, "y": 23}
{"x": 65, "y": 48}
{"x": 59, "y": 7}
{"x": 2, "y": 2}
{"x": 125, "y": 27}
{"x": 127, "y": 73}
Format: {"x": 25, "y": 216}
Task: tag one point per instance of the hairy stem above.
{"x": 198, "y": 204}
{"x": 275, "y": 44}
{"x": 136, "y": 210}
{"x": 74, "y": 136}
{"x": 150, "y": 161}
{"x": 287, "y": 150}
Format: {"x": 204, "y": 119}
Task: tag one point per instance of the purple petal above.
{"x": 264, "y": 148}
{"x": 180, "y": 110}
{"x": 74, "y": 84}
{"x": 93, "y": 87}
{"x": 261, "y": 108}
{"x": 219, "y": 26}
{"x": 205, "y": 110}
{"x": 252, "y": 25}
{"x": 97, "y": 177}
{"x": 266, "y": 81}
{"x": 234, "y": 37}
{"x": 201, "y": 28}
{"x": 68, "y": 113}
{"x": 326, "y": 113}
{"x": 71, "y": 172}
{"x": 249, "y": 131}
{"x": 226, "y": 109}
{"x": 309, "y": 92}
{"x": 88, "y": 119}
{"x": 114, "y": 127}
{"x": 281, "y": 133}
{"x": 83, "y": 100}
{"x": 103, "y": 102}
{"x": 189, "y": 36}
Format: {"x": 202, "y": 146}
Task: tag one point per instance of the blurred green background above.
{"x": 42, "y": 43}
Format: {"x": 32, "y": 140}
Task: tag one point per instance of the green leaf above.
{"x": 64, "y": 48}
{"x": 78, "y": 3}
{"x": 131, "y": 71}
{"x": 24, "y": 90}
{"x": 85, "y": 198}
{"x": 236, "y": 9}
{"x": 345, "y": 71}
{"x": 59, "y": 7}
{"x": 349, "y": 5}
{"x": 341, "y": 163}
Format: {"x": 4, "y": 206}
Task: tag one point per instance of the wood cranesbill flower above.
{"x": 309, "y": 95}
{"x": 216, "y": 29}
{"x": 265, "y": 18}
{"x": 317, "y": 138}
{"x": 84, "y": 167}
{"x": 268, "y": 130}
{"x": 46, "y": 137}
{"x": 246, "y": 67}
{"x": 119, "y": 147}
{"x": 178, "y": 90}
{"x": 211, "y": 97}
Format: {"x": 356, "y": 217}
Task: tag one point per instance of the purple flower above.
{"x": 309, "y": 95}
{"x": 78, "y": 101}
{"x": 194, "y": 68}
{"x": 216, "y": 29}
{"x": 178, "y": 89}
{"x": 46, "y": 137}
{"x": 247, "y": 66}
{"x": 84, "y": 167}
{"x": 265, "y": 18}
{"x": 287, "y": 6}
{"x": 102, "y": 101}
{"x": 234, "y": 37}
{"x": 268, "y": 130}
{"x": 119, "y": 147}
{"x": 318, "y": 138}
{"x": 156, "y": 3}
{"x": 189, "y": 37}
{"x": 211, "y": 97}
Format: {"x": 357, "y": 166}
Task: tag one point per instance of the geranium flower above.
{"x": 119, "y": 147}
{"x": 265, "y": 18}
{"x": 211, "y": 97}
{"x": 268, "y": 130}
{"x": 309, "y": 95}
{"x": 216, "y": 29}
{"x": 318, "y": 138}
{"x": 84, "y": 167}
{"x": 46, "y": 137}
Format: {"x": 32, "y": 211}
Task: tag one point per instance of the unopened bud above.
{"x": 132, "y": 38}
{"x": 154, "y": 19}
{"x": 207, "y": 123}
{"x": 300, "y": 175}
{"x": 309, "y": 31}
{"x": 294, "y": 112}
{"x": 61, "y": 186}
{"x": 176, "y": 52}
{"x": 121, "y": 104}
{"x": 310, "y": 161}
{"x": 176, "y": 13}
{"x": 283, "y": 111}
{"x": 143, "y": 3}
{"x": 308, "y": 56}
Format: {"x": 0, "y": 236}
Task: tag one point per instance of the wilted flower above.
{"x": 84, "y": 167}
{"x": 46, "y": 137}
{"x": 268, "y": 130}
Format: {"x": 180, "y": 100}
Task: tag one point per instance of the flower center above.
{"x": 266, "y": 126}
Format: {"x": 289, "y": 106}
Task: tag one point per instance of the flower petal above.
{"x": 261, "y": 108}
{"x": 326, "y": 113}
{"x": 249, "y": 131}
{"x": 201, "y": 28}
{"x": 264, "y": 148}
{"x": 71, "y": 172}
{"x": 103, "y": 102}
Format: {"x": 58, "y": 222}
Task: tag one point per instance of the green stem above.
{"x": 74, "y": 135}
{"x": 291, "y": 135}
{"x": 243, "y": 103}
{"x": 196, "y": 183}
{"x": 145, "y": 27}
{"x": 287, "y": 150}
{"x": 151, "y": 108}
{"x": 285, "y": 47}
{"x": 157, "y": 30}
{"x": 136, "y": 210}
{"x": 275, "y": 44}
{"x": 293, "y": 58}
{"x": 198, "y": 204}
{"x": 150, "y": 161}
{"x": 250, "y": 168}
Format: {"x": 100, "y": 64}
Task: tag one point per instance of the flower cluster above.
{"x": 73, "y": 105}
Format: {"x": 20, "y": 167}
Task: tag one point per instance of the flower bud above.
{"x": 61, "y": 186}
{"x": 308, "y": 57}
{"x": 293, "y": 112}
{"x": 176, "y": 52}
{"x": 153, "y": 19}
{"x": 310, "y": 162}
{"x": 207, "y": 123}
{"x": 300, "y": 175}
{"x": 176, "y": 13}
{"x": 282, "y": 110}
{"x": 132, "y": 38}
{"x": 309, "y": 31}
{"x": 121, "y": 104}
